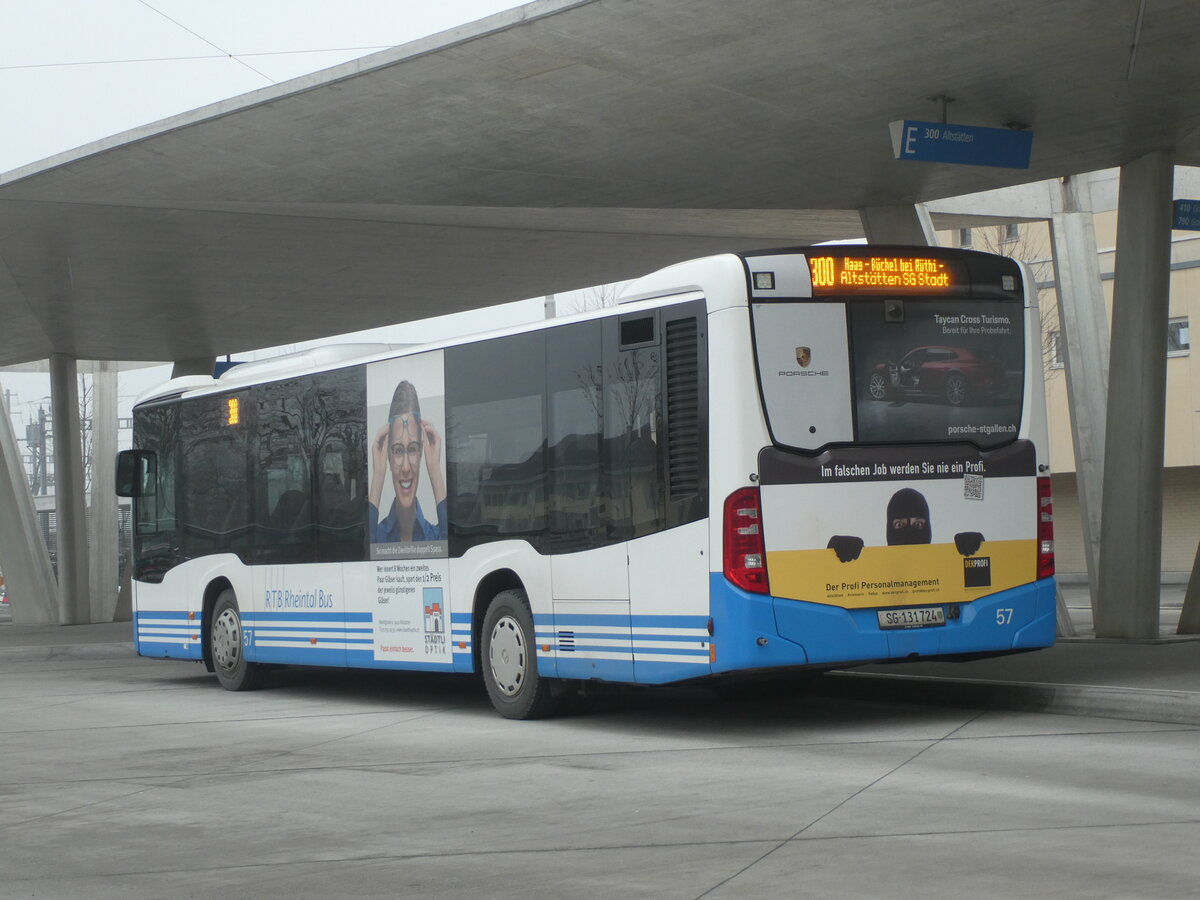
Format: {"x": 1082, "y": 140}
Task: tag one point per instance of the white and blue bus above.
{"x": 753, "y": 464}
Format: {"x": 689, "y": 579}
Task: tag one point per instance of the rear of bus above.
{"x": 884, "y": 472}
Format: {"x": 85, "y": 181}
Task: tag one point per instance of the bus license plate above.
{"x": 913, "y": 617}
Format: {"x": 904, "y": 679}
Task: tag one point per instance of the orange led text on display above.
{"x": 850, "y": 272}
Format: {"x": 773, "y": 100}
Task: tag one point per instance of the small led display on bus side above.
{"x": 885, "y": 274}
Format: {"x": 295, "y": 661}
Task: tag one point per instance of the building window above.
{"x": 1010, "y": 233}
{"x": 964, "y": 238}
{"x": 1178, "y": 341}
{"x": 1178, "y": 338}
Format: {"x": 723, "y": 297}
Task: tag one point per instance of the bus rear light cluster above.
{"x": 1045, "y": 529}
{"x": 745, "y": 552}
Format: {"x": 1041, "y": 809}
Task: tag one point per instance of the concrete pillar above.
{"x": 1127, "y": 604}
{"x": 74, "y": 607}
{"x": 32, "y": 590}
{"x": 1189, "y": 616}
{"x": 102, "y": 522}
{"x": 1083, "y": 343}
{"x": 898, "y": 225}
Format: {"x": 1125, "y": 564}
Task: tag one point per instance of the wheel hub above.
{"x": 226, "y": 640}
{"x": 506, "y": 655}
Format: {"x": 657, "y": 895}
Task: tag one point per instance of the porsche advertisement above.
{"x": 935, "y": 370}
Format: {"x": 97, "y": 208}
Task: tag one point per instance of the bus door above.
{"x": 588, "y": 562}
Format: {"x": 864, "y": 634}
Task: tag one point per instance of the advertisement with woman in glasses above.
{"x": 407, "y": 508}
{"x": 408, "y": 481}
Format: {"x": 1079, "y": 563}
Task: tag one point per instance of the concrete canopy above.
{"x": 554, "y": 146}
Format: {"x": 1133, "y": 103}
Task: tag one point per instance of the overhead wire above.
{"x": 195, "y": 34}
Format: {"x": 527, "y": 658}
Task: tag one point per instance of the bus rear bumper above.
{"x": 752, "y": 631}
{"x": 1016, "y": 619}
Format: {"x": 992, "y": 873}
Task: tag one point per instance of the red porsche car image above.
{"x": 954, "y": 375}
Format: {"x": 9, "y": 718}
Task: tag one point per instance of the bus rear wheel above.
{"x": 234, "y": 672}
{"x": 508, "y": 659}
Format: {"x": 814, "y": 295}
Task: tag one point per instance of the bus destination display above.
{"x": 859, "y": 274}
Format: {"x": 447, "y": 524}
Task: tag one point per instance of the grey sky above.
{"x": 76, "y": 71}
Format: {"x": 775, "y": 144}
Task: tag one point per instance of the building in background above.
{"x": 1181, "y": 480}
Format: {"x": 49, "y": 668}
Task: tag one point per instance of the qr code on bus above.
{"x": 973, "y": 487}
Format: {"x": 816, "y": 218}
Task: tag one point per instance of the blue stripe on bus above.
{"x": 670, "y": 651}
{"x": 670, "y": 621}
{"x": 548, "y": 619}
{"x": 316, "y": 625}
{"x": 590, "y": 635}
{"x": 623, "y": 636}
{"x": 283, "y": 634}
{"x": 625, "y": 649}
{"x": 250, "y": 616}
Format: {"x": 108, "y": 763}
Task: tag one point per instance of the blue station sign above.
{"x": 1185, "y": 215}
{"x": 964, "y": 145}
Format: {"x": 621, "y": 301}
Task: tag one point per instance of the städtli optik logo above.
{"x": 803, "y": 360}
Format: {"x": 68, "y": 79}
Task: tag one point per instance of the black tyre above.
{"x": 508, "y": 658}
{"x": 225, "y": 646}
{"x": 956, "y": 389}
{"x": 878, "y": 387}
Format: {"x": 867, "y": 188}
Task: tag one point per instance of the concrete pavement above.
{"x": 1155, "y": 680}
{"x": 124, "y": 778}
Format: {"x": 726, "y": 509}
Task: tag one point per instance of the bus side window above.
{"x": 282, "y": 514}
{"x": 496, "y": 441}
{"x": 632, "y": 420}
{"x": 336, "y": 409}
{"x": 575, "y": 507}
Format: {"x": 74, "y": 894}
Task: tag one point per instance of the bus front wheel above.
{"x": 227, "y": 648}
{"x": 509, "y": 660}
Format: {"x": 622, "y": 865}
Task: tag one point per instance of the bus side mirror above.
{"x": 137, "y": 473}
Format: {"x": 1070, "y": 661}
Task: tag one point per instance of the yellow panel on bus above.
{"x": 901, "y": 575}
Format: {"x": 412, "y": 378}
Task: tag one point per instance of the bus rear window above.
{"x": 934, "y": 370}
{"x": 891, "y": 370}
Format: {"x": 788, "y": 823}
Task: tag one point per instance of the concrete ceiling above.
{"x": 555, "y": 146}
